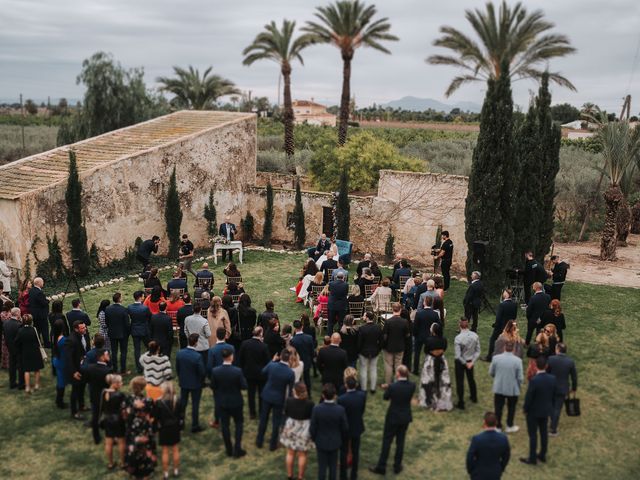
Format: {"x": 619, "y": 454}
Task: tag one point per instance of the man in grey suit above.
{"x": 506, "y": 370}
{"x": 562, "y": 367}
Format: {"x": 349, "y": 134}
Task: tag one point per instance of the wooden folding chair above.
{"x": 177, "y": 291}
{"x": 382, "y": 308}
{"x": 323, "y": 318}
{"x": 237, "y": 280}
{"x": 147, "y": 291}
{"x": 357, "y": 310}
{"x": 174, "y": 322}
{"x": 314, "y": 293}
{"x": 204, "y": 282}
{"x": 235, "y": 298}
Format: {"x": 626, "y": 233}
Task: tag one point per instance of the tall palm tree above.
{"x": 513, "y": 35}
{"x": 196, "y": 92}
{"x": 348, "y": 25}
{"x": 280, "y": 46}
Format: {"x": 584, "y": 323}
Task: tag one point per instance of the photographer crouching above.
{"x": 445, "y": 255}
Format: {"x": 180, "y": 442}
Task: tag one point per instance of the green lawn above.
{"x": 39, "y": 441}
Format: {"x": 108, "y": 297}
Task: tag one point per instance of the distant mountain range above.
{"x": 416, "y": 104}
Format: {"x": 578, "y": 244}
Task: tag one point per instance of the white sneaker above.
{"x": 513, "y": 429}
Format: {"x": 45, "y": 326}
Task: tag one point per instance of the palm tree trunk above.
{"x": 623, "y": 222}
{"x": 287, "y": 118}
{"x": 612, "y": 197}
{"x": 635, "y": 218}
{"x": 344, "y": 100}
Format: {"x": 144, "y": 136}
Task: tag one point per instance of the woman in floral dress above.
{"x": 102, "y": 323}
{"x": 435, "y": 393}
{"x": 140, "y": 454}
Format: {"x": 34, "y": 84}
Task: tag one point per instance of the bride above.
{"x": 333, "y": 248}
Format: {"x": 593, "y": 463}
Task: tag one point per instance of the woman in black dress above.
{"x": 232, "y": 312}
{"x": 28, "y": 347}
{"x": 295, "y": 434}
{"x": 169, "y": 418}
{"x": 555, "y": 316}
{"x": 309, "y": 329}
{"x": 56, "y": 314}
{"x": 272, "y": 337}
{"x": 349, "y": 344}
{"x": 140, "y": 454}
{"x": 112, "y": 410}
{"x": 247, "y": 317}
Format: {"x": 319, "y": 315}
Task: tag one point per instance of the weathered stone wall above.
{"x": 281, "y": 180}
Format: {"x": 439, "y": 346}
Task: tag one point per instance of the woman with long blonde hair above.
{"x": 168, "y": 415}
{"x": 511, "y": 333}
{"x": 218, "y": 317}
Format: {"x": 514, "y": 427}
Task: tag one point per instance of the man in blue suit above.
{"x": 190, "y": 370}
{"x": 227, "y": 230}
{"x": 228, "y": 382}
{"x": 538, "y": 407}
{"x": 215, "y": 359}
{"x": 489, "y": 452}
{"x": 279, "y": 379}
{"x": 354, "y": 402}
{"x": 304, "y": 345}
{"x": 76, "y": 313}
{"x": 140, "y": 317}
{"x": 328, "y": 428}
{"x": 177, "y": 282}
{"x": 117, "y": 320}
{"x": 422, "y": 329}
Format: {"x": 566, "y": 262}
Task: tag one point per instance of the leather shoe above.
{"x": 542, "y": 459}
{"x": 527, "y": 461}
{"x": 398, "y": 469}
{"x": 240, "y": 453}
{"x": 197, "y": 429}
{"x": 377, "y": 470}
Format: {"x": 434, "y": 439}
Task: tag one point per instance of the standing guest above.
{"x": 445, "y": 254}
{"x": 395, "y": 333}
{"x": 156, "y": 368}
{"x": 95, "y": 375}
{"x": 295, "y": 364}
{"x": 533, "y": 272}
{"x": 59, "y": 361}
{"x": 279, "y": 380}
{"x": 295, "y": 436}
{"x": 272, "y": 337}
{"x": 161, "y": 330}
{"x": 340, "y": 269}
{"x": 77, "y": 347}
{"x": 369, "y": 346}
{"x": 252, "y": 358}
{"x": 473, "y": 300}
{"x": 198, "y": 325}
{"x": 227, "y": 230}
{"x": 186, "y": 253}
{"x": 268, "y": 314}
{"x": 328, "y": 428}
{"x": 169, "y": 418}
{"x": 102, "y": 323}
{"x": 467, "y": 352}
{"x": 397, "y": 420}
{"x": 310, "y": 329}
{"x": 323, "y": 245}
{"x": 247, "y": 317}
{"x": 145, "y": 250}
{"x": 39, "y": 309}
{"x": 507, "y": 310}
{"x": 489, "y": 452}
{"x": 538, "y": 407}
{"x": 232, "y": 312}
{"x": 218, "y": 317}
{"x": 337, "y": 304}
{"x": 23, "y": 296}
{"x": 354, "y": 402}
{"x": 185, "y": 311}
{"x": 552, "y": 337}
{"x": 140, "y": 439}
{"x": 538, "y": 304}
{"x": 435, "y": 379}
{"x": 228, "y": 382}
{"x": 153, "y": 301}
{"x": 558, "y": 277}
{"x": 215, "y": 359}
{"x": 54, "y": 315}
{"x": 510, "y": 334}
{"x": 5, "y": 314}
{"x": 5, "y": 276}
{"x": 10, "y": 329}
{"x": 429, "y": 292}
{"x": 506, "y": 370}
{"x": 305, "y": 346}
{"x": 439, "y": 281}
{"x": 113, "y": 402}
{"x": 190, "y": 370}
{"x": 540, "y": 348}
{"x": 92, "y": 355}
{"x": 117, "y": 320}
{"x": 332, "y": 361}
{"x": 554, "y": 316}
{"x": 365, "y": 263}
{"x": 562, "y": 367}
{"x": 349, "y": 336}
{"x": 76, "y": 313}
{"x": 231, "y": 271}
{"x": 421, "y": 329}
{"x": 140, "y": 317}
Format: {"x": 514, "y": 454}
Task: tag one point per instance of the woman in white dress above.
{"x": 308, "y": 272}
{"x": 323, "y": 257}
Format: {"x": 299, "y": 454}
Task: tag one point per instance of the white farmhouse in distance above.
{"x": 307, "y": 111}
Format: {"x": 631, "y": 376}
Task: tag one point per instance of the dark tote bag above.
{"x": 572, "y": 406}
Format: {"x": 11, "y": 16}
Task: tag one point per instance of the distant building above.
{"x": 305, "y": 111}
{"x": 576, "y": 129}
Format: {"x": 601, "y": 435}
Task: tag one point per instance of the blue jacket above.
{"x": 214, "y": 357}
{"x": 177, "y": 283}
{"x": 328, "y": 425}
{"x": 399, "y": 393}
{"x": 305, "y": 347}
{"x": 354, "y": 403}
{"x": 506, "y": 370}
{"x": 488, "y": 455}
{"x": 117, "y": 320}
{"x": 73, "y": 315}
{"x": 422, "y": 323}
{"x": 538, "y": 403}
{"x": 140, "y": 316}
{"x": 279, "y": 378}
{"x": 228, "y": 382}
{"x": 190, "y": 368}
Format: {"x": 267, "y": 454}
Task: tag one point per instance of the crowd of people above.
{"x": 225, "y": 345}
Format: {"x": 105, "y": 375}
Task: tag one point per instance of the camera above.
{"x": 435, "y": 250}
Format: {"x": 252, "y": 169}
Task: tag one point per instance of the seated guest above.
{"x": 375, "y": 269}
{"x": 322, "y": 303}
{"x": 317, "y": 281}
{"x": 177, "y": 283}
{"x": 181, "y": 270}
{"x": 328, "y": 264}
{"x": 365, "y": 278}
{"x": 555, "y": 316}
{"x": 205, "y": 301}
{"x": 206, "y": 275}
{"x": 403, "y": 271}
{"x": 339, "y": 270}
{"x": 355, "y": 295}
{"x": 321, "y": 247}
{"x": 381, "y": 294}
{"x": 153, "y": 300}
{"x": 233, "y": 288}
{"x": 430, "y": 292}
{"x": 174, "y": 303}
{"x": 365, "y": 263}
{"x": 306, "y": 276}
{"x": 510, "y": 334}
{"x": 231, "y": 270}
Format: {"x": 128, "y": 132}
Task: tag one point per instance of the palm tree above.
{"x": 348, "y": 25}
{"x": 281, "y": 47}
{"x": 620, "y": 147}
{"x": 196, "y": 92}
{"x": 513, "y": 35}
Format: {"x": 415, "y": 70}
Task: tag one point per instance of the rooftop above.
{"x": 45, "y": 169}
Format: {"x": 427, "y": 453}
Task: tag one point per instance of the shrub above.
{"x": 248, "y": 226}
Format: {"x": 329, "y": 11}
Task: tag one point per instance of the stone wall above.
{"x": 281, "y": 180}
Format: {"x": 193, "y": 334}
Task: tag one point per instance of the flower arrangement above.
{"x": 219, "y": 239}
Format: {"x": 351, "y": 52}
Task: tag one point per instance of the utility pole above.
{"x": 22, "y": 122}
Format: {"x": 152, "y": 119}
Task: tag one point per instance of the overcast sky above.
{"x": 43, "y": 43}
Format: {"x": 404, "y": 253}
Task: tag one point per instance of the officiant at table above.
{"x": 227, "y": 230}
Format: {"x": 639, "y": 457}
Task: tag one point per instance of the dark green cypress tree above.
{"x": 173, "y": 216}
{"x": 267, "y": 228}
{"x": 76, "y": 231}
{"x": 343, "y": 209}
{"x": 549, "y": 134}
{"x": 490, "y": 198}
{"x": 299, "y": 234}
{"x": 210, "y": 216}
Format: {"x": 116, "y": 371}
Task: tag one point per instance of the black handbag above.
{"x": 572, "y": 405}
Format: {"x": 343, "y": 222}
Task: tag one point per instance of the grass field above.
{"x": 37, "y": 138}
{"x": 38, "y": 441}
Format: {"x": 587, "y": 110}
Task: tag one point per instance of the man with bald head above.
{"x": 365, "y": 263}
{"x": 331, "y": 361}
{"x": 206, "y": 277}
{"x": 227, "y": 230}
{"x": 39, "y": 308}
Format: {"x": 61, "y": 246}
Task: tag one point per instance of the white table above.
{"x": 234, "y": 245}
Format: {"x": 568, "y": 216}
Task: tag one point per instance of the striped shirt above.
{"x": 157, "y": 368}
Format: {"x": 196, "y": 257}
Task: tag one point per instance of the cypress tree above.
{"x": 343, "y": 210}
{"x": 389, "y": 247}
{"x": 267, "y": 228}
{"x": 210, "y": 216}
{"x": 173, "y": 216}
{"x": 247, "y": 227}
{"x": 76, "y": 231}
{"x": 299, "y": 234}
{"x": 490, "y": 198}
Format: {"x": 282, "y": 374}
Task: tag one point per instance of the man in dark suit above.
{"x": 395, "y": 333}
{"x": 338, "y": 304}
{"x": 215, "y": 359}
{"x": 228, "y": 382}
{"x": 77, "y": 346}
{"x": 77, "y": 314}
{"x": 322, "y": 246}
{"x": 328, "y": 264}
{"x": 305, "y": 346}
{"x": 161, "y": 330}
{"x": 190, "y": 370}
{"x": 558, "y": 277}
{"x": 177, "y": 282}
{"x": 562, "y": 367}
{"x": 95, "y": 375}
{"x": 365, "y": 263}
{"x": 489, "y": 452}
{"x": 536, "y": 307}
{"x": 538, "y": 407}
{"x": 145, "y": 250}
{"x": 422, "y": 329}
{"x": 397, "y": 420}
{"x": 473, "y": 300}
{"x": 279, "y": 381}
{"x": 354, "y": 402}
{"x": 533, "y": 272}
{"x": 118, "y": 327}
{"x": 331, "y": 361}
{"x": 445, "y": 254}
{"x": 204, "y": 277}
{"x": 10, "y": 329}
{"x": 252, "y": 358}
{"x": 183, "y": 313}
{"x": 403, "y": 271}
{"x": 140, "y": 317}
{"x": 227, "y": 230}
{"x": 328, "y": 428}
{"x": 507, "y": 310}
{"x": 39, "y": 308}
